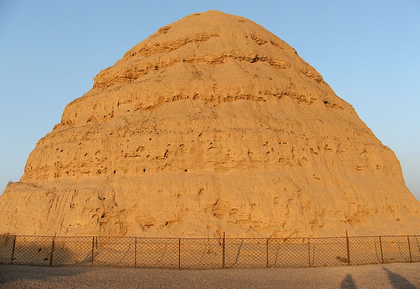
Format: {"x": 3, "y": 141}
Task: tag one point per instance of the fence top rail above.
{"x": 210, "y": 238}
{"x": 391, "y": 236}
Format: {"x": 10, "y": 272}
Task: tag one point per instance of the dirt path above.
{"x": 368, "y": 276}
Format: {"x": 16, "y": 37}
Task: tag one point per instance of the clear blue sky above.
{"x": 368, "y": 51}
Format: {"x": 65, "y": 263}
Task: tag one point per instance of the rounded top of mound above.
{"x": 211, "y": 56}
{"x": 209, "y": 24}
{"x": 212, "y": 37}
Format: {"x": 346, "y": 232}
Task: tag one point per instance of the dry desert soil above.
{"x": 369, "y": 276}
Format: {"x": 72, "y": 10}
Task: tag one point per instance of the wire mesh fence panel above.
{"x": 201, "y": 253}
{"x": 364, "y": 250}
{"x": 157, "y": 253}
{"x": 72, "y": 251}
{"x": 204, "y": 253}
{"x": 288, "y": 253}
{"x": 32, "y": 250}
{"x": 246, "y": 253}
{"x": 395, "y": 249}
{"x": 328, "y": 252}
{"x": 414, "y": 248}
{"x": 6, "y": 248}
{"x": 114, "y": 251}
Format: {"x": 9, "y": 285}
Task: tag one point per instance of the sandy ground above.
{"x": 368, "y": 276}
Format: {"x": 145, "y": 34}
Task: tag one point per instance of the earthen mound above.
{"x": 210, "y": 125}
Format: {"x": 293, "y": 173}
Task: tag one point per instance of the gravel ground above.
{"x": 369, "y": 276}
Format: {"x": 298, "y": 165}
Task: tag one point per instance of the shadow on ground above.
{"x": 12, "y": 273}
{"x": 398, "y": 281}
{"x": 348, "y": 283}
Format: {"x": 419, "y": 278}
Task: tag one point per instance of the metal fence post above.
{"x": 309, "y": 252}
{"x": 179, "y": 253}
{"x": 380, "y": 245}
{"x": 93, "y": 248}
{"x": 267, "y": 251}
{"x": 409, "y": 248}
{"x": 13, "y": 250}
{"x": 348, "y": 249}
{"x": 223, "y": 250}
{"x": 135, "y": 252}
{"x": 52, "y": 251}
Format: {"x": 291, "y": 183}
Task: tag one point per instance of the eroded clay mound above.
{"x": 210, "y": 125}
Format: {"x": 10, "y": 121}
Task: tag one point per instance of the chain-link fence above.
{"x": 206, "y": 253}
